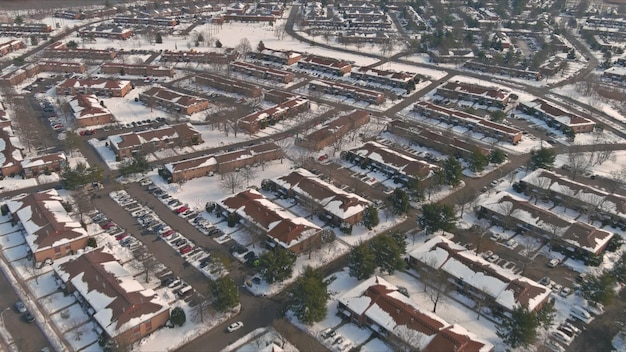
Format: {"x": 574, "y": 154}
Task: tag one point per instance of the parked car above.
{"x": 186, "y": 249}
{"x": 107, "y": 225}
{"x": 29, "y": 317}
{"x": 553, "y": 263}
{"x": 121, "y": 236}
{"x": 235, "y": 326}
{"x": 21, "y": 308}
{"x": 561, "y": 337}
{"x": 182, "y": 209}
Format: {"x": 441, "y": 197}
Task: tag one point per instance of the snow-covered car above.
{"x": 235, "y": 326}
{"x": 566, "y": 291}
{"x": 561, "y": 337}
{"x": 553, "y": 263}
{"x": 145, "y": 182}
{"x": 493, "y": 258}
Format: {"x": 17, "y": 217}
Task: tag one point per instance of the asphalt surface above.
{"x": 257, "y": 311}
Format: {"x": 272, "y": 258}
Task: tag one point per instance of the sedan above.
{"x": 182, "y": 209}
{"x": 29, "y": 317}
{"x": 19, "y": 305}
{"x": 235, "y": 326}
{"x": 107, "y": 225}
{"x": 493, "y": 258}
{"x": 186, "y": 249}
{"x": 121, "y": 236}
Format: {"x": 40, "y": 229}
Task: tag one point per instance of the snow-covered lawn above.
{"x": 69, "y": 317}
{"x": 56, "y": 301}
{"x": 12, "y": 239}
{"x": 258, "y": 339}
{"x": 376, "y": 345}
{"x": 43, "y": 285}
{"x": 82, "y": 336}
{"x": 16, "y": 253}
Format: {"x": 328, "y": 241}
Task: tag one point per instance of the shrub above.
{"x": 91, "y": 242}
{"x": 178, "y": 317}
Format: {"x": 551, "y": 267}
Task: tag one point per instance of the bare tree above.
{"x": 436, "y": 284}
{"x": 243, "y": 48}
{"x": 232, "y": 181}
{"x": 617, "y": 180}
{"x": 540, "y": 189}
{"x": 248, "y": 174}
{"x": 531, "y": 246}
{"x": 411, "y": 338}
{"x": 201, "y": 311}
{"x": 464, "y": 197}
{"x": 506, "y": 208}
{"x": 578, "y": 160}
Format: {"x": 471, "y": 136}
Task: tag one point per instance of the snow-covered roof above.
{"x": 557, "y": 113}
{"x": 583, "y": 236}
{"x": 121, "y": 303}
{"x": 283, "y": 226}
{"x": 386, "y": 308}
{"x": 46, "y": 223}
{"x": 136, "y": 139}
{"x": 87, "y": 106}
{"x": 393, "y": 159}
{"x": 333, "y": 199}
{"x": 505, "y": 288}
{"x": 43, "y": 160}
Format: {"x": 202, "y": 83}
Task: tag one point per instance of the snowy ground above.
{"x": 258, "y": 339}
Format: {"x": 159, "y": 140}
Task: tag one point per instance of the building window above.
{"x": 57, "y": 251}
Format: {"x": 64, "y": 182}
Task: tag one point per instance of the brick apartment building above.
{"x": 167, "y": 99}
{"x": 491, "y": 96}
{"x": 62, "y": 66}
{"x": 445, "y": 143}
{"x": 123, "y": 308}
{"x": 219, "y": 58}
{"x": 181, "y": 135}
{"x": 330, "y": 65}
{"x": 60, "y": 50}
{"x": 228, "y": 85}
{"x": 259, "y": 120}
{"x": 186, "y": 170}
{"x": 555, "y": 116}
{"x": 116, "y": 68}
{"x": 475, "y": 123}
{"x": 347, "y": 90}
{"x": 261, "y": 216}
{"x": 49, "y": 231}
{"x": 11, "y": 46}
{"x": 110, "y": 88}
{"x": 35, "y": 166}
{"x": 262, "y": 72}
{"x": 334, "y": 130}
{"x": 386, "y": 77}
{"x": 89, "y": 112}
{"x": 283, "y": 57}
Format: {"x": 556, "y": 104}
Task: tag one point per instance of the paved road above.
{"x": 27, "y": 337}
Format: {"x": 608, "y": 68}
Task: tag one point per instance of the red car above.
{"x": 107, "y": 225}
{"x": 121, "y": 237}
{"x": 323, "y": 157}
{"x": 182, "y": 209}
{"x": 87, "y": 132}
{"x": 186, "y": 249}
{"x": 167, "y": 234}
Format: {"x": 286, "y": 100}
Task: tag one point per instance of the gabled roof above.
{"x": 87, "y": 106}
{"x": 333, "y": 199}
{"x": 93, "y": 83}
{"x": 385, "y": 307}
{"x": 173, "y": 97}
{"x": 493, "y": 93}
{"x": 45, "y": 221}
{"x": 44, "y": 160}
{"x": 120, "y": 302}
{"x": 136, "y": 139}
{"x": 505, "y": 288}
{"x": 556, "y": 113}
{"x": 583, "y": 236}
{"x": 280, "y": 224}
{"x": 9, "y": 154}
{"x": 399, "y": 161}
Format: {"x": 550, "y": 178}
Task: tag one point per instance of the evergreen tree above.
{"x": 276, "y": 265}
{"x": 370, "y": 217}
{"x": 542, "y": 158}
{"x": 178, "y": 317}
{"x": 400, "y": 201}
{"x": 72, "y": 44}
{"x": 309, "y": 297}
{"x": 158, "y": 38}
{"x": 478, "y": 161}
{"x": 260, "y": 46}
{"x": 362, "y": 262}
{"x": 452, "y": 172}
{"x": 388, "y": 253}
{"x": 520, "y": 330}
{"x": 599, "y": 288}
{"x": 497, "y": 156}
{"x": 225, "y": 293}
{"x": 545, "y": 316}
{"x": 218, "y": 44}
{"x": 436, "y": 216}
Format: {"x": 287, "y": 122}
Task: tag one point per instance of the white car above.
{"x": 235, "y": 326}
{"x": 553, "y": 263}
{"x": 561, "y": 337}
